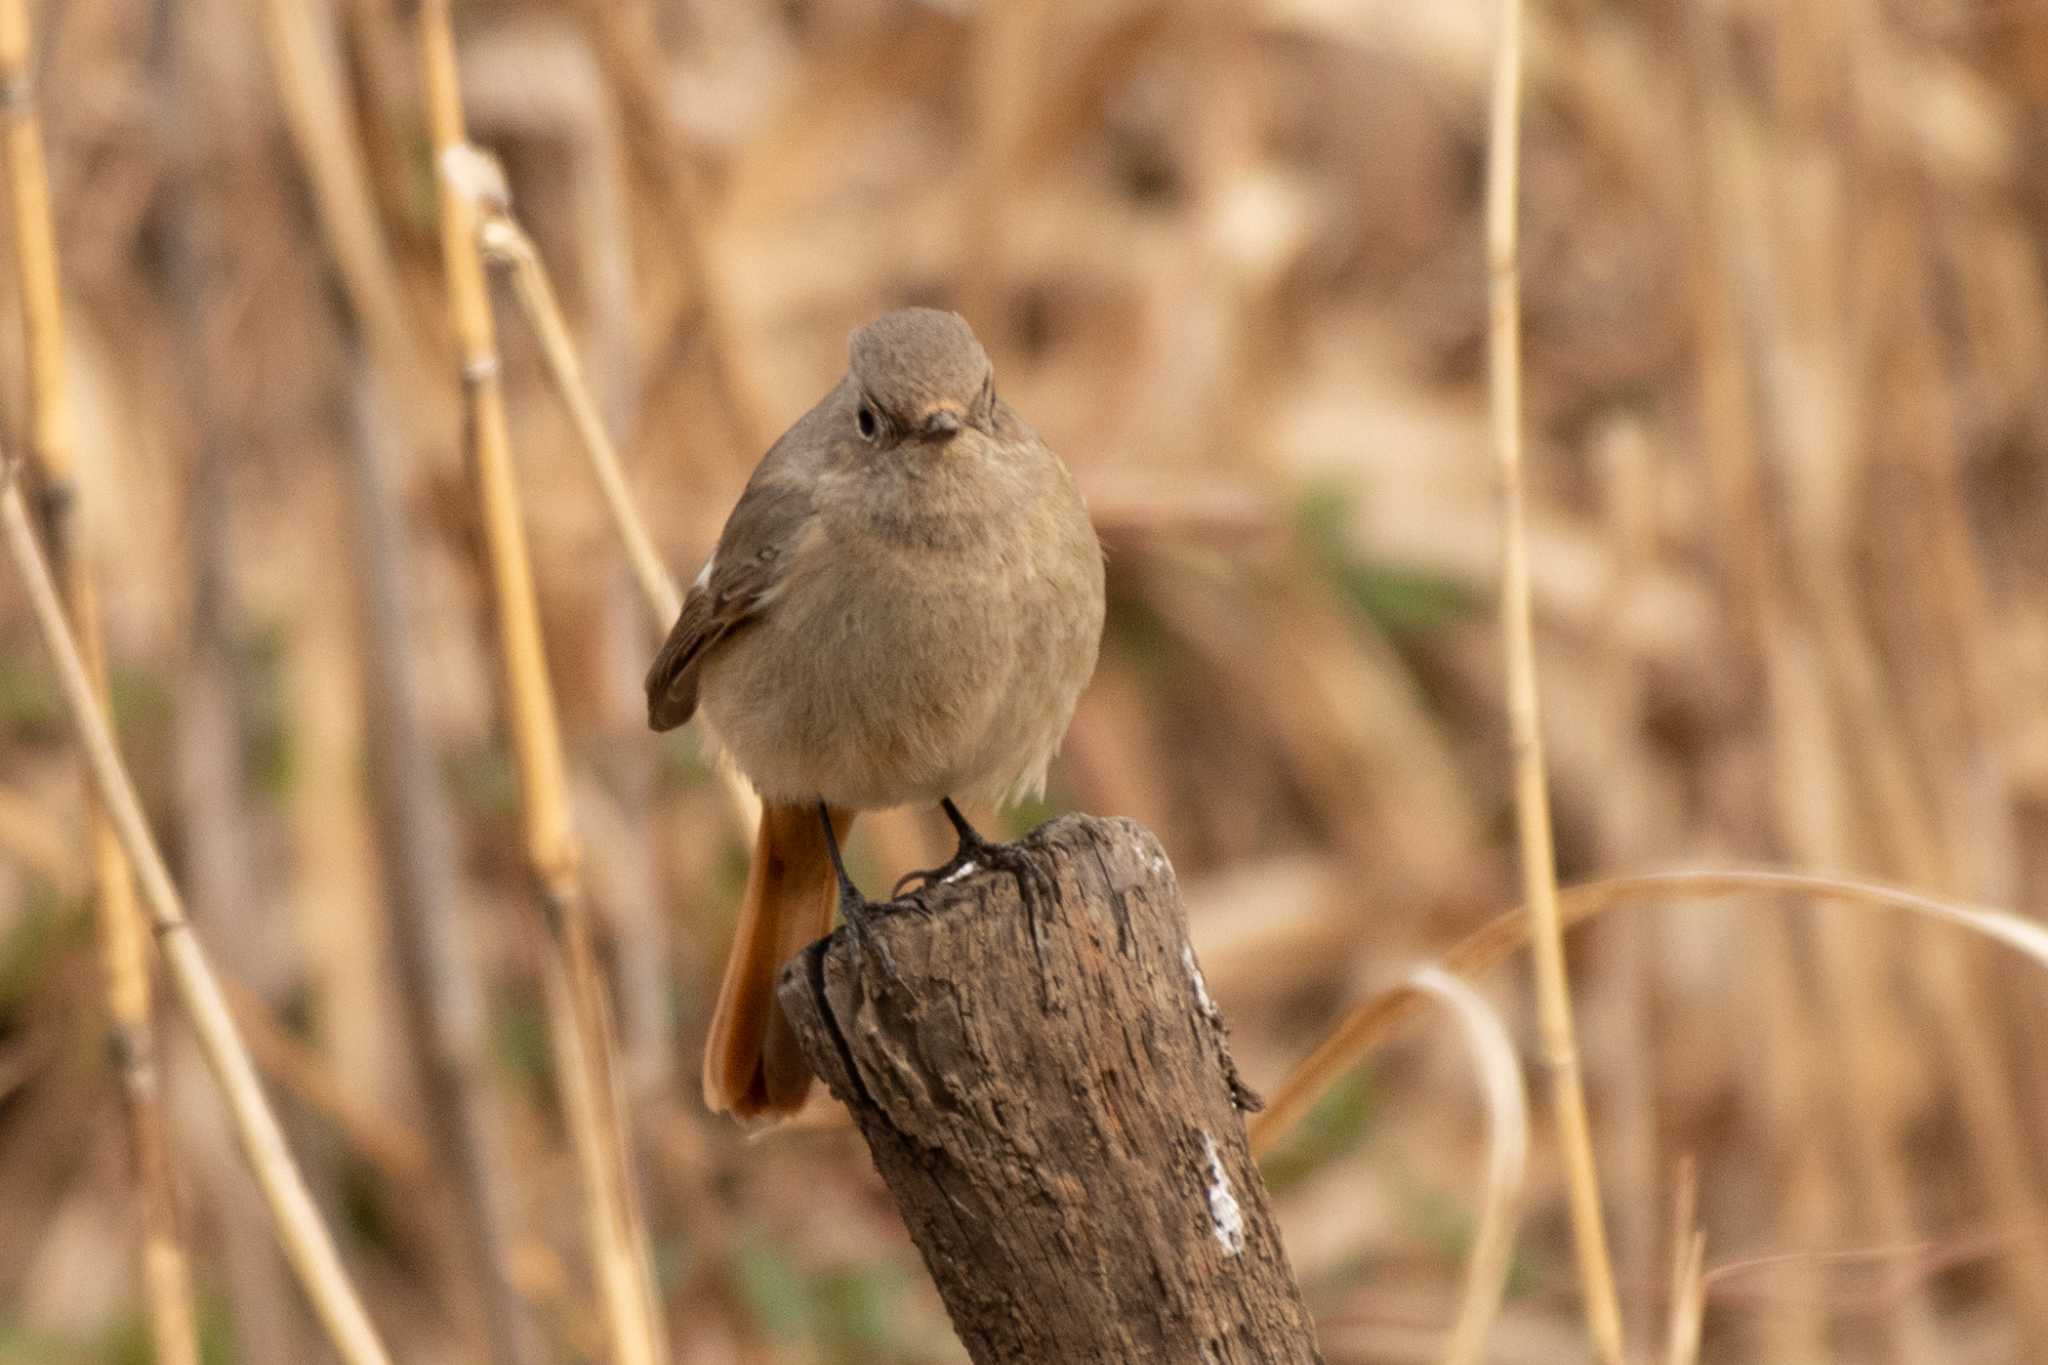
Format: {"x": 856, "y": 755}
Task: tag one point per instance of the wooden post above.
{"x": 1051, "y": 1100}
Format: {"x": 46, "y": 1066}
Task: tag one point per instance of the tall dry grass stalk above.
{"x": 578, "y": 1014}
{"x": 310, "y": 86}
{"x": 1493, "y": 1241}
{"x": 1843, "y": 778}
{"x": 628, "y": 44}
{"x": 300, "y": 1231}
{"x": 506, "y": 243}
{"x": 1974, "y": 852}
{"x": 1532, "y": 803}
{"x": 1624, "y": 1049}
{"x": 438, "y": 994}
{"x": 1688, "y": 1271}
{"x": 166, "y": 1272}
{"x": 1812, "y": 1205}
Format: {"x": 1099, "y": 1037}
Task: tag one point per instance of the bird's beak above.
{"x": 943, "y": 424}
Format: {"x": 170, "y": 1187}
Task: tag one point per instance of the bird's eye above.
{"x": 865, "y": 419}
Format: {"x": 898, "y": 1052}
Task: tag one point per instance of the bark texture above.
{"x": 1046, "y": 1087}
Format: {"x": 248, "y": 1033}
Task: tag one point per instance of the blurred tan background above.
{"x": 1785, "y": 341}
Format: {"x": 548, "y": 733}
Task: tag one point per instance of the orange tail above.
{"x": 752, "y": 1063}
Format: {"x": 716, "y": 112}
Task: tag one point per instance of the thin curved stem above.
{"x": 1507, "y": 1107}
{"x": 123, "y": 934}
{"x": 1370, "y": 1022}
{"x": 300, "y": 1230}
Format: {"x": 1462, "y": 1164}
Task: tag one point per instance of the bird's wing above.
{"x": 754, "y": 553}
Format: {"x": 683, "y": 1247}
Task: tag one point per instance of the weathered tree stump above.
{"x": 1049, "y": 1095}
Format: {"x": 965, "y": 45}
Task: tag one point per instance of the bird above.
{"x": 904, "y": 607}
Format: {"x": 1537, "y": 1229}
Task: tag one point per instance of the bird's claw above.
{"x": 859, "y": 914}
{"x": 1036, "y": 888}
{"x": 925, "y": 877}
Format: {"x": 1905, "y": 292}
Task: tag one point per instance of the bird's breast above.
{"x": 930, "y": 643}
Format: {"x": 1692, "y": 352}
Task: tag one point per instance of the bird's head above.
{"x": 918, "y": 374}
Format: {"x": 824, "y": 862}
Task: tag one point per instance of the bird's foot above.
{"x": 973, "y": 851}
{"x": 965, "y": 859}
{"x": 860, "y": 915}
{"x": 1035, "y": 885}
{"x": 1036, "y": 888}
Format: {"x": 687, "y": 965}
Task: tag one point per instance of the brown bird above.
{"x": 903, "y": 607}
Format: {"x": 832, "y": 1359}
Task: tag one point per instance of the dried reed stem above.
{"x": 506, "y": 243}
{"x": 437, "y": 989}
{"x": 1622, "y": 1046}
{"x": 1532, "y": 809}
{"x": 439, "y": 994}
{"x": 629, "y": 46}
{"x": 304, "y": 1238}
{"x": 579, "y": 1023}
{"x": 1688, "y": 1271}
{"x": 1486, "y": 1265}
{"x": 1974, "y": 812}
{"x": 1729, "y": 252}
{"x": 310, "y": 89}
{"x": 166, "y": 1272}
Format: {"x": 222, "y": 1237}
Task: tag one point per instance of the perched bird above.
{"x": 903, "y": 607}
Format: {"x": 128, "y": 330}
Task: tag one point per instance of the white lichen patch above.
{"x": 1226, "y": 1219}
{"x": 1187, "y": 960}
{"x": 967, "y": 869}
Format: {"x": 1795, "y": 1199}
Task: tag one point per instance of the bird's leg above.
{"x": 1035, "y": 886}
{"x": 854, "y": 908}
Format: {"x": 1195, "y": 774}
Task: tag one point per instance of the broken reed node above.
{"x": 1047, "y": 1090}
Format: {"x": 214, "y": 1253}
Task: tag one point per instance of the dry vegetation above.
{"x": 1784, "y": 328}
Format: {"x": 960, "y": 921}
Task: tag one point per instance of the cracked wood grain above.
{"x": 1066, "y": 1145}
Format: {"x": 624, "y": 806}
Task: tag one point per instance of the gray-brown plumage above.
{"x": 903, "y": 607}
